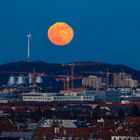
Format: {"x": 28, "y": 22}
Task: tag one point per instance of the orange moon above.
{"x": 60, "y": 34}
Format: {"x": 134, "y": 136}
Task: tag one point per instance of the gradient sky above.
{"x": 105, "y": 30}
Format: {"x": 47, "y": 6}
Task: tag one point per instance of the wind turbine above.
{"x": 29, "y": 36}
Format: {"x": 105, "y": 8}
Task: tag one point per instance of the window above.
{"x": 56, "y": 130}
{"x": 65, "y": 132}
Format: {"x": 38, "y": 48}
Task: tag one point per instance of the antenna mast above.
{"x": 29, "y": 36}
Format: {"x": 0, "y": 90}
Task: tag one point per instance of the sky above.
{"x": 105, "y": 30}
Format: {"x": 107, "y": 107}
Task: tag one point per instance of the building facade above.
{"x": 92, "y": 82}
{"x": 124, "y": 80}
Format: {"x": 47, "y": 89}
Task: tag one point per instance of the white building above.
{"x": 124, "y": 80}
{"x": 49, "y": 97}
{"x": 125, "y": 138}
{"x": 92, "y": 81}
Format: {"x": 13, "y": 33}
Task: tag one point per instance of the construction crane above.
{"x": 65, "y": 81}
{"x": 72, "y": 76}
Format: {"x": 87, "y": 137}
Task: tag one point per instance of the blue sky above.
{"x": 105, "y": 30}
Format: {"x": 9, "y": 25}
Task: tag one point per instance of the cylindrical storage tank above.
{"x": 11, "y": 81}
{"x": 39, "y": 80}
{"x": 21, "y": 80}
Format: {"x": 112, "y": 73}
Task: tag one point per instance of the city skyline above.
{"x": 105, "y": 31}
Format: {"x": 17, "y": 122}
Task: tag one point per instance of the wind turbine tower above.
{"x": 29, "y": 36}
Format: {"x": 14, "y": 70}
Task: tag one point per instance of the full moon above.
{"x": 60, "y": 34}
